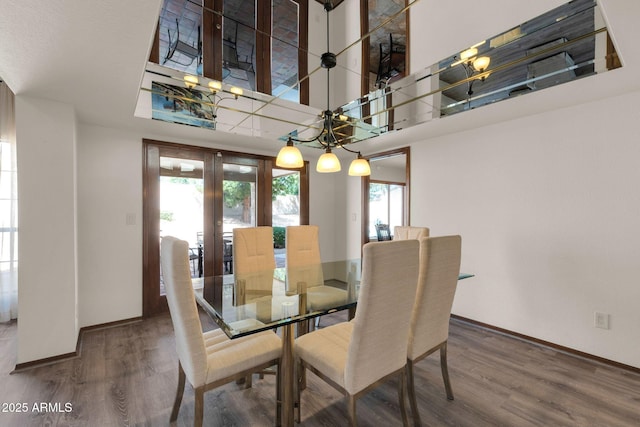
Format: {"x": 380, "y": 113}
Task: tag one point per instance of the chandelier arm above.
{"x": 315, "y": 138}
{"x": 345, "y": 148}
{"x": 331, "y": 136}
{"x": 468, "y": 71}
{"x": 216, "y": 99}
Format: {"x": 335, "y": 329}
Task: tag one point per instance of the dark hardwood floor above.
{"x": 126, "y": 376}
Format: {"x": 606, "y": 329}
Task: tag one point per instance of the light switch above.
{"x": 130, "y": 219}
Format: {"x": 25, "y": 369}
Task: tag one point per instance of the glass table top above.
{"x": 243, "y": 304}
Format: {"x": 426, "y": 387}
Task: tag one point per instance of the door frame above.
{"x": 154, "y": 303}
{"x": 366, "y": 182}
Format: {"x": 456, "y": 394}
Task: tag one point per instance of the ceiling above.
{"x": 92, "y": 55}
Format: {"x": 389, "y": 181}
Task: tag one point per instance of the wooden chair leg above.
{"x": 179, "y": 393}
{"x": 401, "y": 388}
{"x": 300, "y": 373}
{"x": 278, "y": 396}
{"x": 445, "y": 371}
{"x": 351, "y": 404}
{"x": 199, "y": 407}
{"x": 412, "y": 394}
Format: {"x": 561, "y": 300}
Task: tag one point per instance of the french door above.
{"x": 200, "y": 195}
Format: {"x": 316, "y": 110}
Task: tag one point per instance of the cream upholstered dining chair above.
{"x": 356, "y": 356}
{"x": 408, "y": 232}
{"x": 439, "y": 270}
{"x": 304, "y": 268}
{"x": 253, "y": 263}
{"x": 303, "y": 250}
{"x": 209, "y": 359}
{"x": 253, "y": 249}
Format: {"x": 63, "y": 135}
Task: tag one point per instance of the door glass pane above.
{"x": 239, "y": 192}
{"x": 284, "y": 49}
{"x": 181, "y": 206}
{"x": 386, "y": 206}
{"x": 239, "y": 44}
{"x": 285, "y": 193}
{"x": 285, "y": 190}
{"x": 378, "y": 207}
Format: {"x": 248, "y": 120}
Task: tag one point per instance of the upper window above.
{"x": 220, "y": 40}
{"x": 285, "y": 49}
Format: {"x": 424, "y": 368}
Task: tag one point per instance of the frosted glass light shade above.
{"x": 359, "y": 167}
{"x": 328, "y": 162}
{"x": 481, "y": 63}
{"x": 289, "y": 157}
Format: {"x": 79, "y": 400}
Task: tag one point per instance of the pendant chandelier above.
{"x": 290, "y": 156}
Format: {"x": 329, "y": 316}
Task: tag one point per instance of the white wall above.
{"x": 47, "y": 281}
{"x": 345, "y": 77}
{"x": 110, "y": 225}
{"x": 382, "y": 171}
{"x": 324, "y": 188}
{"x": 549, "y": 212}
{"x": 317, "y": 46}
{"x": 352, "y": 223}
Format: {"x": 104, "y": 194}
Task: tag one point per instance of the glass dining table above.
{"x": 286, "y": 298}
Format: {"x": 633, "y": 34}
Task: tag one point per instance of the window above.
{"x": 8, "y": 207}
{"x": 386, "y": 192}
{"x": 221, "y": 39}
{"x": 386, "y": 206}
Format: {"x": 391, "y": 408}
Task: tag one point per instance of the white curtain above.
{"x": 8, "y": 208}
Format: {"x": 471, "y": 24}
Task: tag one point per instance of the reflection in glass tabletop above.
{"x": 245, "y": 304}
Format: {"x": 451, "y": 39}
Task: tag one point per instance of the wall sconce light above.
{"x": 190, "y": 81}
{"x": 236, "y": 91}
{"x": 472, "y": 63}
{"x": 216, "y": 96}
{"x": 215, "y": 86}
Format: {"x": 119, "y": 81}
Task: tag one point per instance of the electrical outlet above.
{"x": 601, "y": 320}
